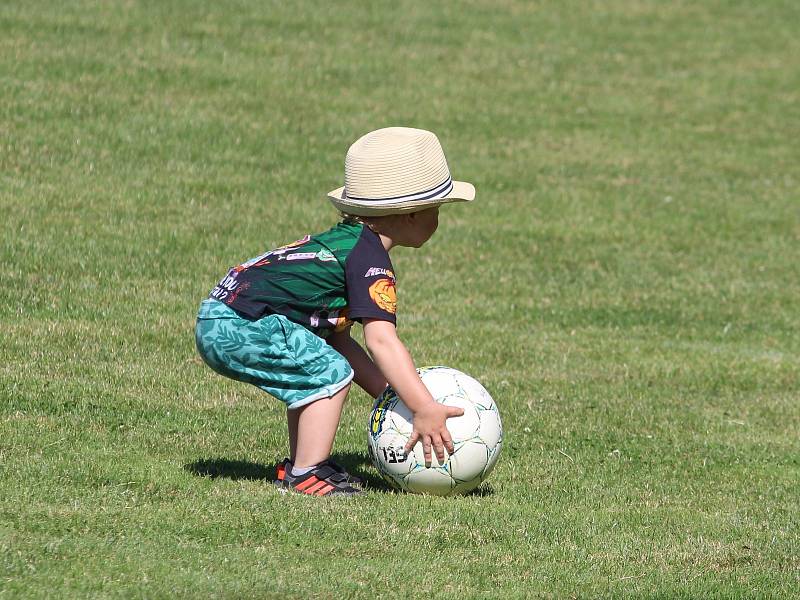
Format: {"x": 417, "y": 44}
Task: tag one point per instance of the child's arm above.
{"x": 395, "y": 362}
{"x": 366, "y": 374}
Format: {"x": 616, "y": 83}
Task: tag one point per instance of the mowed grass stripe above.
{"x": 625, "y": 285}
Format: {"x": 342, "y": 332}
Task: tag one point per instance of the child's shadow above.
{"x": 352, "y": 462}
{"x": 243, "y": 469}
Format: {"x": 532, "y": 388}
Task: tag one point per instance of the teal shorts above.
{"x": 276, "y": 355}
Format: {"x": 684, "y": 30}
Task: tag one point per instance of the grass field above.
{"x": 626, "y": 285}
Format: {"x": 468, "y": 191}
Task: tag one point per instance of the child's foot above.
{"x": 322, "y": 480}
{"x": 286, "y": 466}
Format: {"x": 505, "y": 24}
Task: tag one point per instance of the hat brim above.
{"x": 461, "y": 192}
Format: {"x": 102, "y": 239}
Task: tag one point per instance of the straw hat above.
{"x": 396, "y": 170}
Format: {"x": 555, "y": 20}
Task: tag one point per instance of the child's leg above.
{"x": 312, "y": 429}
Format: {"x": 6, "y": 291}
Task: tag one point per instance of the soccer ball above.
{"x": 477, "y": 437}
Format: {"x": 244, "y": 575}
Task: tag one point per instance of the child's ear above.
{"x": 399, "y": 219}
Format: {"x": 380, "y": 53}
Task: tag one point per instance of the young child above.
{"x": 281, "y": 321}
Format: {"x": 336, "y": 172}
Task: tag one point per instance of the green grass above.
{"x": 626, "y": 285}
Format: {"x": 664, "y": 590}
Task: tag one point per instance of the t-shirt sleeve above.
{"x": 370, "y": 280}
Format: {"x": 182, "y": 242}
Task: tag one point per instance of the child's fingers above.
{"x": 454, "y": 411}
{"x": 438, "y": 447}
{"x": 412, "y": 441}
{"x": 427, "y": 443}
{"x": 431, "y": 444}
{"x": 426, "y": 450}
{"x": 447, "y": 440}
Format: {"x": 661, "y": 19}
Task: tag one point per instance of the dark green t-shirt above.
{"x": 323, "y": 282}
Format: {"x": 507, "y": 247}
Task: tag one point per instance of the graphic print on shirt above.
{"x": 337, "y": 319}
{"x": 229, "y": 286}
{"x": 263, "y": 259}
{"x": 384, "y": 294}
{"x": 322, "y": 281}
{"x": 372, "y": 271}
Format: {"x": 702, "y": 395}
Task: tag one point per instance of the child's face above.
{"x": 423, "y": 226}
{"x": 407, "y": 229}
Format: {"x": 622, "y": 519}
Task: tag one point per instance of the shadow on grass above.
{"x": 352, "y": 462}
{"x": 231, "y": 469}
{"x": 244, "y": 469}
{"x": 482, "y": 491}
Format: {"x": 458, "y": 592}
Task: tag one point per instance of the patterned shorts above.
{"x": 273, "y": 353}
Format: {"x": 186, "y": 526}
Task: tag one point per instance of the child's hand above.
{"x": 430, "y": 428}
{"x": 395, "y": 363}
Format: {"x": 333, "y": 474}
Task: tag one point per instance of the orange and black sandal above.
{"x": 281, "y": 468}
{"x": 286, "y": 466}
{"x": 322, "y": 480}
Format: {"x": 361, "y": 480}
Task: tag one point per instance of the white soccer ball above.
{"x": 477, "y": 437}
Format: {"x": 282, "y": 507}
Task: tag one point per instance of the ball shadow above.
{"x": 484, "y": 490}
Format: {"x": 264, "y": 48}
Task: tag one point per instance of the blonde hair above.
{"x": 374, "y": 223}
{"x": 352, "y": 219}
